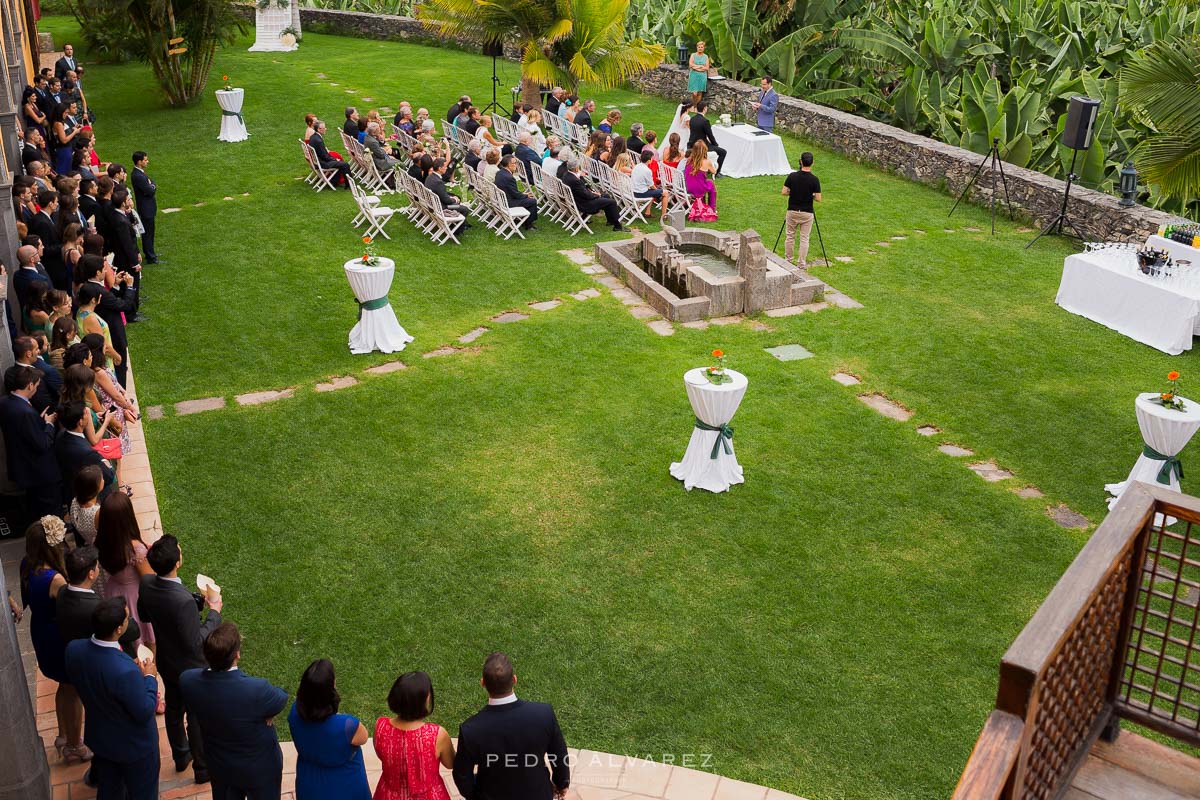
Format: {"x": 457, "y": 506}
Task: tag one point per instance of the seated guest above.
{"x": 484, "y": 132}
{"x": 526, "y": 154}
{"x": 420, "y": 168}
{"x": 404, "y": 120}
{"x": 623, "y": 163}
{"x": 520, "y": 113}
{"x": 327, "y": 161}
{"x": 507, "y": 182}
{"x": 236, "y": 715}
{"x": 435, "y": 182}
{"x": 472, "y": 159}
{"x": 551, "y": 163}
{"x": 456, "y": 109}
{"x": 597, "y": 146}
{"x": 634, "y": 143}
{"x": 472, "y": 122}
{"x": 78, "y": 601}
{"x": 465, "y": 116}
{"x": 616, "y": 147}
{"x": 119, "y": 695}
{"x": 309, "y": 130}
{"x": 611, "y": 120}
{"x": 329, "y": 760}
{"x": 554, "y": 101}
{"x": 697, "y": 173}
{"x": 587, "y": 201}
{"x": 652, "y": 145}
{"x": 643, "y": 184}
{"x": 583, "y": 114}
{"x": 426, "y": 133}
{"x": 411, "y": 749}
{"x": 385, "y": 165}
{"x": 516, "y": 745}
{"x": 672, "y": 155}
{"x": 533, "y": 125}
{"x": 29, "y": 442}
{"x": 350, "y": 126}
{"x": 491, "y": 164}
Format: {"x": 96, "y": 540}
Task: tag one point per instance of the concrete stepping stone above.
{"x": 441, "y": 351}
{"x": 322, "y": 75}
{"x": 1029, "y": 492}
{"x": 471, "y": 336}
{"x": 899, "y": 238}
{"x": 342, "y": 382}
{"x": 196, "y": 406}
{"x": 586, "y": 294}
{"x": 1067, "y": 518}
{"x": 955, "y": 451}
{"x": 662, "y": 327}
{"x": 171, "y": 210}
{"x": 643, "y": 311}
{"x": 579, "y": 256}
{"x": 1024, "y": 230}
{"x": 846, "y": 379}
{"x": 918, "y": 230}
{"x": 872, "y": 252}
{"x": 835, "y": 298}
{"x": 789, "y": 352}
{"x": 973, "y": 230}
{"x": 333, "y": 84}
{"x": 883, "y": 244}
{"x": 627, "y": 297}
{"x": 154, "y": 412}
{"x": 227, "y": 197}
{"x": 755, "y": 325}
{"x": 886, "y": 406}
{"x": 386, "y": 368}
{"x": 258, "y": 398}
{"x": 197, "y": 205}
{"x": 949, "y": 230}
{"x": 609, "y": 281}
{"x": 509, "y": 316}
{"x": 545, "y": 305}
{"x": 592, "y": 269}
{"x": 245, "y": 194}
{"x": 731, "y": 320}
{"x": 844, "y": 259}
{"x": 368, "y": 99}
{"x": 990, "y": 471}
{"x": 791, "y": 311}
{"x": 696, "y": 325}
{"x": 928, "y": 430}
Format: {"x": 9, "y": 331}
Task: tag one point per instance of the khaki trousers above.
{"x": 804, "y": 221}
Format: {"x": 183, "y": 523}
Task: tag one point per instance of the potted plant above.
{"x": 289, "y": 36}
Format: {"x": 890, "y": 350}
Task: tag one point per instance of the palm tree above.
{"x": 563, "y": 42}
{"x": 1163, "y": 82}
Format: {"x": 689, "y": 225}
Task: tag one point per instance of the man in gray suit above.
{"x": 385, "y": 165}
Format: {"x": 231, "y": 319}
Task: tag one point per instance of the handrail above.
{"x": 989, "y": 770}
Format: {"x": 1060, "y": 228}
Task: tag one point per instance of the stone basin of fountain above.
{"x": 699, "y": 273}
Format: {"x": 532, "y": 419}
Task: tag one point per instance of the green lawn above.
{"x": 832, "y": 627}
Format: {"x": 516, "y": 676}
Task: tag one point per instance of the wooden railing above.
{"x": 1117, "y": 637}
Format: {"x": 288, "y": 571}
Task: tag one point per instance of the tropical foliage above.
{"x": 970, "y": 71}
{"x": 562, "y": 42}
{"x": 403, "y": 8}
{"x": 177, "y": 39}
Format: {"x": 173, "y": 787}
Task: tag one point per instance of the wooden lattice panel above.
{"x": 1161, "y": 678}
{"x": 1071, "y": 692}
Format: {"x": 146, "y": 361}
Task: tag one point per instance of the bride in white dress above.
{"x": 679, "y": 125}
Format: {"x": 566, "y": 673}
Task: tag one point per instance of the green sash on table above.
{"x": 724, "y": 437}
{"x": 372, "y": 305}
{"x": 1170, "y": 464}
{"x": 237, "y": 114}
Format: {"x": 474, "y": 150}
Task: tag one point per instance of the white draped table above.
{"x": 1106, "y": 287}
{"x": 377, "y": 328}
{"x": 1166, "y": 432}
{"x": 750, "y": 151}
{"x": 709, "y": 462}
{"x": 233, "y": 128}
{"x": 1178, "y": 250}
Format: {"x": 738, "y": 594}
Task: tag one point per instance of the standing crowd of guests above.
{"x": 111, "y": 620}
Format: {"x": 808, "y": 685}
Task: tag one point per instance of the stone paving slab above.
{"x": 471, "y": 336}
{"x": 662, "y": 327}
{"x": 545, "y": 305}
{"x": 886, "y": 406}
{"x": 196, "y": 406}
{"x": 609, "y": 281}
{"x": 789, "y": 352}
{"x": 836, "y": 298}
{"x": 1067, "y": 518}
{"x": 579, "y": 256}
{"x": 846, "y": 379}
{"x": 343, "y": 382}
{"x": 698, "y": 325}
{"x": 990, "y": 471}
{"x": 844, "y": 259}
{"x": 386, "y": 368}
{"x": 730, "y": 320}
{"x": 154, "y": 412}
{"x": 955, "y": 451}
{"x": 1029, "y": 492}
{"x": 643, "y": 311}
{"x": 441, "y": 351}
{"x": 509, "y": 316}
{"x": 586, "y": 294}
{"x": 928, "y": 430}
{"x": 791, "y": 311}
{"x": 258, "y": 398}
{"x": 592, "y": 270}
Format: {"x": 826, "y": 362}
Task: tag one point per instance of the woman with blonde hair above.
{"x": 533, "y": 126}
{"x": 610, "y": 121}
{"x": 623, "y": 163}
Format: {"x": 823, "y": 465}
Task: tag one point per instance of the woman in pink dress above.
{"x": 410, "y": 748}
{"x": 123, "y": 555}
{"x": 697, "y": 174}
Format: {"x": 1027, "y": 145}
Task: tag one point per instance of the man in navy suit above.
{"x": 29, "y": 442}
{"x": 27, "y": 352}
{"x": 29, "y": 272}
{"x": 507, "y": 182}
{"x": 72, "y": 452}
{"x": 144, "y": 193}
{"x": 526, "y": 154}
{"x": 237, "y": 717}
{"x": 119, "y": 696}
{"x": 510, "y": 742}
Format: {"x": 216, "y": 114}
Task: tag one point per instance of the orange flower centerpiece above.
{"x": 716, "y": 374}
{"x": 1170, "y": 398}
{"x": 228, "y": 87}
{"x": 368, "y": 257}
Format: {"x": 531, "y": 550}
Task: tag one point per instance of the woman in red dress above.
{"x": 409, "y": 748}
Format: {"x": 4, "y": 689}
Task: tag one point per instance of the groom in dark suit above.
{"x": 504, "y": 750}
{"x": 701, "y": 131}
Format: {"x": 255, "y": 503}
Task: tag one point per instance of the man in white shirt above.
{"x": 643, "y": 183}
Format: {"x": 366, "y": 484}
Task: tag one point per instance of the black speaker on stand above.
{"x": 1077, "y": 135}
{"x": 495, "y": 49}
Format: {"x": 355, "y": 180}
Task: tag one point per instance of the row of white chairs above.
{"x": 320, "y": 178}
{"x": 492, "y": 209}
{"x": 558, "y": 203}
{"x": 567, "y": 132}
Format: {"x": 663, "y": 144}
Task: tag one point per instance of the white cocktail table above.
{"x": 750, "y": 151}
{"x": 1165, "y": 433}
{"x": 709, "y": 462}
{"x": 377, "y": 328}
{"x": 233, "y": 127}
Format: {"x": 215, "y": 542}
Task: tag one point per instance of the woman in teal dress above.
{"x": 698, "y": 76}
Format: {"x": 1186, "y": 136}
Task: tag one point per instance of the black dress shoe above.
{"x": 201, "y": 777}
{"x": 621, "y": 229}
{"x": 530, "y": 227}
{"x": 182, "y": 763}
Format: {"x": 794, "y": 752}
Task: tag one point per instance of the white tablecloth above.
{"x": 378, "y": 329}
{"x": 1178, "y": 250}
{"x": 1164, "y": 430}
{"x": 233, "y": 128}
{"x": 269, "y": 23}
{"x": 748, "y": 154}
{"x": 1106, "y": 287}
{"x": 713, "y": 405}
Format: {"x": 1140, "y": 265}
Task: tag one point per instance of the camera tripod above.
{"x": 495, "y": 104}
{"x": 820, "y": 239}
{"x": 997, "y": 165}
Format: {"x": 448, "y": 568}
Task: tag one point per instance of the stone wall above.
{"x": 919, "y": 158}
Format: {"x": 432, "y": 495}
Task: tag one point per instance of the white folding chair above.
{"x": 320, "y": 178}
{"x": 376, "y": 216}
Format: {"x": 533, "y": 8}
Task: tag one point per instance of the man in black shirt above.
{"x": 801, "y": 188}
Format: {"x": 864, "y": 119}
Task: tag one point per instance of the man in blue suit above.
{"x": 29, "y": 442}
{"x": 767, "y": 102}
{"x": 119, "y": 696}
{"x": 236, "y": 714}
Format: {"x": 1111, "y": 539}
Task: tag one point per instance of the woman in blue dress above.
{"x": 329, "y": 760}
{"x": 63, "y": 130}
{"x": 698, "y": 67}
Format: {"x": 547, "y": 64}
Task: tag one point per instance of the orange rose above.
{"x": 1172, "y": 375}
{"x": 718, "y": 353}
{"x": 224, "y": 77}
{"x": 366, "y": 240}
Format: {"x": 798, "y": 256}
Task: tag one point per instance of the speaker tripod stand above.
{"x": 495, "y": 104}
{"x": 1056, "y": 224}
{"x": 997, "y": 165}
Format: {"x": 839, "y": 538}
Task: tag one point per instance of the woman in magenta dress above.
{"x": 697, "y": 174}
{"x": 409, "y": 748}
{"x": 123, "y": 555}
